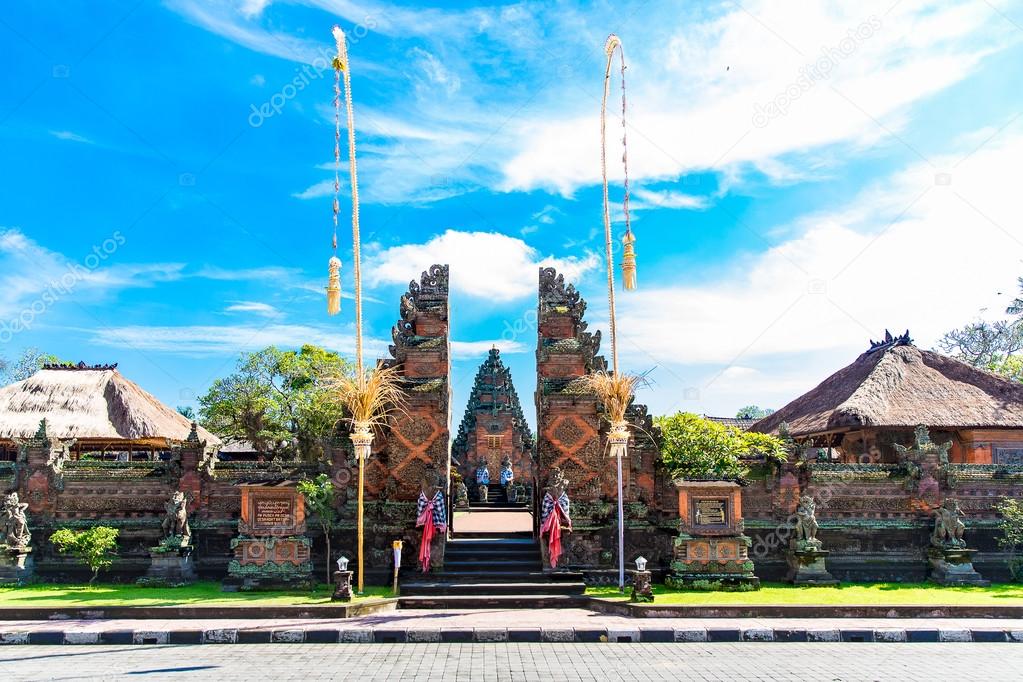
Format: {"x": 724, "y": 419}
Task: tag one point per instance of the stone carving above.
{"x": 948, "y": 525}
{"x": 507, "y": 475}
{"x": 806, "y": 523}
{"x": 889, "y": 341}
{"x": 14, "y": 523}
{"x": 482, "y": 479}
{"x": 175, "y": 520}
{"x": 923, "y": 445}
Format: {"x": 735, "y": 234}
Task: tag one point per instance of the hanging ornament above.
{"x": 628, "y": 261}
{"x": 334, "y": 286}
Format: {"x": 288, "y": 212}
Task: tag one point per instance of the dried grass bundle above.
{"x": 615, "y": 392}
{"x": 371, "y": 397}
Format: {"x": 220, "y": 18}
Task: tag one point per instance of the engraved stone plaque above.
{"x": 710, "y": 512}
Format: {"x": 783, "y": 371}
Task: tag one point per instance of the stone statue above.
{"x": 555, "y": 514}
{"x": 507, "y": 475}
{"x": 14, "y": 523}
{"x": 175, "y": 521}
{"x": 461, "y": 494}
{"x": 806, "y": 523}
{"x": 482, "y": 479}
{"x": 948, "y": 526}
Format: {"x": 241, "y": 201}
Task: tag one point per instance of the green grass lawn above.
{"x": 1006, "y": 594}
{"x": 199, "y": 594}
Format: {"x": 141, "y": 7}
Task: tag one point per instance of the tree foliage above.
{"x": 753, "y": 412}
{"x": 277, "y": 400}
{"x": 95, "y": 547}
{"x": 319, "y": 495}
{"x": 28, "y": 363}
{"x": 696, "y": 448}
{"x": 993, "y": 345}
{"x": 1011, "y": 525}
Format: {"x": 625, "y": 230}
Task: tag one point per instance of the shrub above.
{"x": 696, "y": 448}
{"x": 319, "y": 495}
{"x": 95, "y": 547}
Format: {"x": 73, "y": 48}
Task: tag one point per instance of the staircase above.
{"x": 492, "y": 569}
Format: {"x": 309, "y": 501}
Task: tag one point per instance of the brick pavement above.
{"x": 518, "y": 662}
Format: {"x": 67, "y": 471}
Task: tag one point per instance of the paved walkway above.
{"x": 514, "y": 625}
{"x": 515, "y": 662}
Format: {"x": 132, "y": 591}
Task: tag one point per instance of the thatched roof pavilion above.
{"x": 895, "y": 386}
{"x": 97, "y": 406}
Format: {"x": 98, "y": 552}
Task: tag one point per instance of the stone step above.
{"x": 477, "y": 507}
{"x": 494, "y": 565}
{"x": 504, "y": 576}
{"x": 491, "y": 554}
{"x": 512, "y": 601}
{"x": 425, "y": 589}
{"x": 460, "y": 536}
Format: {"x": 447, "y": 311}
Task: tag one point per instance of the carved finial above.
{"x": 41, "y": 433}
{"x": 890, "y": 341}
{"x": 193, "y": 435}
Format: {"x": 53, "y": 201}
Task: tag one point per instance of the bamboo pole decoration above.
{"x": 362, "y": 434}
{"x": 334, "y": 264}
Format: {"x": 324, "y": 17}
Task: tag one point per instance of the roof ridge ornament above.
{"x": 889, "y": 341}
{"x": 78, "y": 366}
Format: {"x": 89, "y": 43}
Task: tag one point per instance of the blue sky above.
{"x": 804, "y": 177}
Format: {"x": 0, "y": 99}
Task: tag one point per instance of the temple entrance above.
{"x": 493, "y": 456}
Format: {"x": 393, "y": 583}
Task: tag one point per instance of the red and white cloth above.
{"x": 554, "y": 516}
{"x": 433, "y": 518}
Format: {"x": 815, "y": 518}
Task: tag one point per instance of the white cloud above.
{"x": 269, "y": 274}
{"x": 198, "y": 340}
{"x": 255, "y": 307}
{"x": 463, "y": 350}
{"x": 259, "y": 80}
{"x": 434, "y": 73}
{"x": 485, "y": 265}
{"x": 252, "y": 8}
{"x": 70, "y": 136}
{"x": 649, "y": 199}
{"x": 324, "y": 188}
{"x": 927, "y": 249}
{"x": 706, "y": 120}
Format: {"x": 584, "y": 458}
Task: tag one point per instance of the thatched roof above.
{"x": 903, "y": 386}
{"x": 90, "y": 403}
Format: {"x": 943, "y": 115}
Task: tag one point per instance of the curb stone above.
{"x": 220, "y": 636}
{"x": 694, "y": 635}
{"x": 491, "y": 635}
{"x": 823, "y": 636}
{"x": 1016, "y": 635}
{"x": 422, "y": 635}
{"x": 557, "y": 635}
{"x": 758, "y": 635}
{"x": 989, "y": 635}
{"x": 921, "y": 636}
{"x": 13, "y": 638}
{"x": 525, "y": 635}
{"x": 625, "y": 635}
{"x": 724, "y": 635}
{"x": 460, "y": 635}
{"x": 149, "y": 637}
{"x": 656, "y": 635}
{"x": 889, "y": 635}
{"x": 327, "y": 636}
{"x": 954, "y": 635}
{"x": 355, "y": 635}
{"x": 287, "y": 636}
{"x": 79, "y": 637}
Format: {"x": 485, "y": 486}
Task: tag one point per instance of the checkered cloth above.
{"x": 548, "y": 507}
{"x": 483, "y": 476}
{"x": 440, "y": 512}
{"x": 506, "y": 476}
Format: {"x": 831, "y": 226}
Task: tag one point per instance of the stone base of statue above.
{"x": 15, "y": 564}
{"x": 954, "y": 566}
{"x": 170, "y": 567}
{"x": 342, "y": 586}
{"x": 642, "y": 590}
{"x": 807, "y": 564}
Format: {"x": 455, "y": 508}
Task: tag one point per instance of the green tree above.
{"x": 95, "y": 547}
{"x": 187, "y": 412}
{"x": 276, "y": 400}
{"x": 753, "y": 412}
{"x": 319, "y": 495}
{"x": 696, "y": 448}
{"x": 993, "y": 345}
{"x": 1011, "y": 525}
{"x": 28, "y": 363}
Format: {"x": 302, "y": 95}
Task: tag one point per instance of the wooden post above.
{"x": 362, "y": 563}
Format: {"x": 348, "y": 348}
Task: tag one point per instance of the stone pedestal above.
{"x": 711, "y": 546}
{"x": 342, "y": 586}
{"x": 954, "y": 566}
{"x": 271, "y": 552}
{"x": 642, "y": 591}
{"x": 807, "y": 565}
{"x": 171, "y": 568}
{"x": 16, "y": 564}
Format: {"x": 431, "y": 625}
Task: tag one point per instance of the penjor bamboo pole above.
{"x": 342, "y": 53}
{"x": 612, "y": 44}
